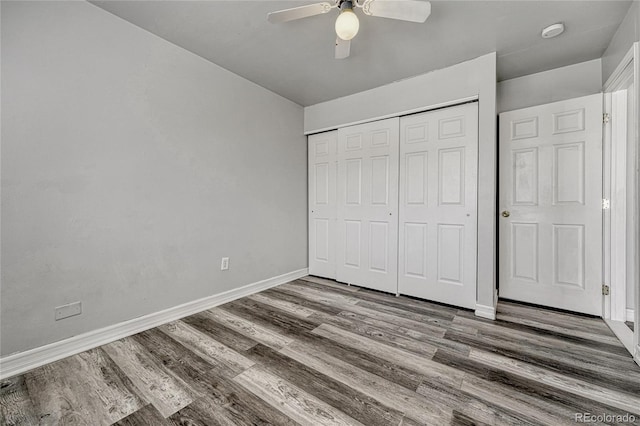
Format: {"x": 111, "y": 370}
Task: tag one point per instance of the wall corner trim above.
{"x": 14, "y": 364}
{"x": 483, "y": 311}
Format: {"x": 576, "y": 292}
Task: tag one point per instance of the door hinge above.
{"x": 606, "y": 204}
{"x": 606, "y": 118}
{"x": 605, "y": 289}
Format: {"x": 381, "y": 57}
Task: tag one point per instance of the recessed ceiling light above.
{"x": 553, "y": 30}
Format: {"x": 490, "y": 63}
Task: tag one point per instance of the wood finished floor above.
{"x": 313, "y": 352}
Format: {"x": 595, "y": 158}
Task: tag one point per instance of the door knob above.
{"x": 506, "y": 213}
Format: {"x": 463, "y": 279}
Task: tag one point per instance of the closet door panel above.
{"x": 367, "y": 205}
{"x": 438, "y": 205}
{"x": 322, "y": 204}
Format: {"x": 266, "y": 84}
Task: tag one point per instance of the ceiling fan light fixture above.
{"x": 347, "y": 24}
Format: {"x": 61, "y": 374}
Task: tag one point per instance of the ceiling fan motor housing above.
{"x": 345, "y": 4}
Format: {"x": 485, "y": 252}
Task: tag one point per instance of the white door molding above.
{"x": 636, "y": 126}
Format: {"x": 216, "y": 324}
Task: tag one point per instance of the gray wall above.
{"x": 129, "y": 168}
{"x": 558, "y": 84}
{"x": 625, "y": 36}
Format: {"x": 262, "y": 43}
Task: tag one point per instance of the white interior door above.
{"x": 322, "y": 204}
{"x": 367, "y": 227}
{"x": 551, "y": 204}
{"x": 438, "y": 205}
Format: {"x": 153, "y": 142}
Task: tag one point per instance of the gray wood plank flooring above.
{"x": 317, "y": 352}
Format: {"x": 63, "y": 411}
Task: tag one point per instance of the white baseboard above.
{"x": 20, "y": 362}
{"x": 629, "y": 315}
{"x": 636, "y": 355}
{"x": 483, "y": 311}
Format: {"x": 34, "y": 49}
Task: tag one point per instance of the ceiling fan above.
{"x": 347, "y": 24}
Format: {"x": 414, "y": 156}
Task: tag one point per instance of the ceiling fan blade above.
{"x": 343, "y": 48}
{"x": 298, "y": 12}
{"x": 405, "y": 10}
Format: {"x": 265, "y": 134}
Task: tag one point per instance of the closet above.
{"x": 393, "y": 204}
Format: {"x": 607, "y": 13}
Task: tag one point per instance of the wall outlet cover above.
{"x": 69, "y": 310}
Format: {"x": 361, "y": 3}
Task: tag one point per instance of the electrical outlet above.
{"x": 70, "y": 310}
{"x": 224, "y": 265}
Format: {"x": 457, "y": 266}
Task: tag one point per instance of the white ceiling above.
{"x": 295, "y": 59}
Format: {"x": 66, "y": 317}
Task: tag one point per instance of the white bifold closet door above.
{"x": 367, "y": 201}
{"x": 322, "y": 204}
{"x": 438, "y": 205}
